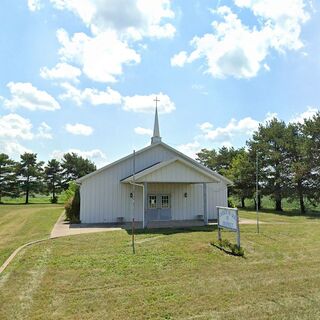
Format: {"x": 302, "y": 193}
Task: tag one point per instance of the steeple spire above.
{"x": 156, "y": 132}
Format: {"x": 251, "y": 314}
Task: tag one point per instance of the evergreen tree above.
{"x": 242, "y": 173}
{"x": 75, "y": 167}
{"x": 270, "y": 143}
{"x": 311, "y": 132}
{"x": 8, "y": 185}
{"x": 53, "y": 178}
{"x": 29, "y": 173}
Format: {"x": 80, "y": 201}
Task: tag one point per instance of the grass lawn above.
{"x": 22, "y": 223}
{"x": 173, "y": 275}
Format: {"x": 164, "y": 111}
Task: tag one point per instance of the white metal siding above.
{"x": 176, "y": 172}
{"x": 104, "y": 197}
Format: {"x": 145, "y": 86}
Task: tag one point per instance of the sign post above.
{"x": 228, "y": 218}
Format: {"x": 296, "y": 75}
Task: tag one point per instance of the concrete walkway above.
{"x": 63, "y": 228}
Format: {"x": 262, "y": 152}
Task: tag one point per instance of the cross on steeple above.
{"x": 156, "y": 132}
{"x": 156, "y": 101}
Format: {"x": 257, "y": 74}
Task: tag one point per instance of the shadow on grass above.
{"x": 169, "y": 231}
{"x": 27, "y": 204}
{"x": 288, "y": 212}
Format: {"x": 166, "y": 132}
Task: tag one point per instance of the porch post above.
{"x": 205, "y": 204}
{"x": 145, "y": 199}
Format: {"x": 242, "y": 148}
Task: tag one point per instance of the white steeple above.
{"x": 156, "y": 132}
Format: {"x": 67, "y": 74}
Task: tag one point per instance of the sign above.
{"x": 228, "y": 219}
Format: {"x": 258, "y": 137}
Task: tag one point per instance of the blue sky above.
{"x": 82, "y": 75}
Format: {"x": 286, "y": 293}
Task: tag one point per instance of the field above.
{"x": 20, "y": 224}
{"x": 175, "y": 274}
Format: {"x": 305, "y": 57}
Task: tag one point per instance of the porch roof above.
{"x": 176, "y": 170}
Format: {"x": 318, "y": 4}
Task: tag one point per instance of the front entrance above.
{"x": 159, "y": 207}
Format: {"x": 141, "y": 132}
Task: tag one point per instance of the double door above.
{"x": 159, "y": 207}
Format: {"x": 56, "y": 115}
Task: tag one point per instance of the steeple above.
{"x": 156, "y": 132}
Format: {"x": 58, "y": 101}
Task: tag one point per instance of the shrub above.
{"x": 72, "y": 207}
{"x": 69, "y": 193}
{"x": 229, "y": 247}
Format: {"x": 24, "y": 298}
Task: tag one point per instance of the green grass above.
{"x": 175, "y": 274}
{"x": 22, "y": 223}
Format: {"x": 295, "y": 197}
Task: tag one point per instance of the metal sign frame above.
{"x": 220, "y": 227}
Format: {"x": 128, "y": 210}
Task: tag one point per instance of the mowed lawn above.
{"x": 23, "y": 223}
{"x": 173, "y": 275}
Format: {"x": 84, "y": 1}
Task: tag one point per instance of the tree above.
{"x": 29, "y": 173}
{"x": 7, "y": 177}
{"x": 311, "y": 132}
{"x": 218, "y": 161}
{"x": 242, "y": 173}
{"x": 75, "y": 167}
{"x": 270, "y": 143}
{"x": 53, "y": 178}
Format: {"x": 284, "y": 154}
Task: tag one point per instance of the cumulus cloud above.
{"x": 79, "y": 129}
{"x": 13, "y": 126}
{"x": 101, "y": 57}
{"x": 95, "y": 155}
{"x": 15, "y": 131}
{"x": 145, "y": 103}
{"x": 190, "y": 149}
{"x": 90, "y": 95}
{"x": 62, "y": 70}
{"x": 25, "y": 95}
{"x": 44, "y": 131}
{"x": 237, "y": 50}
{"x": 34, "y": 5}
{"x": 143, "y": 131}
{"x": 132, "y": 19}
{"x": 308, "y": 114}
{"x": 245, "y": 126}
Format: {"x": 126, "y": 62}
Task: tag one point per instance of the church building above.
{"x": 157, "y": 186}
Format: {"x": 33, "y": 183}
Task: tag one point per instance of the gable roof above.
{"x": 178, "y": 153}
{"x": 173, "y": 170}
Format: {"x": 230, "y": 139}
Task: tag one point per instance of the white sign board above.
{"x": 228, "y": 219}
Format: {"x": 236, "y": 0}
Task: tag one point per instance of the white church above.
{"x": 158, "y": 186}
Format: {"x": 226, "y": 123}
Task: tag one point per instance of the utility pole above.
{"x": 133, "y": 201}
{"x": 257, "y": 191}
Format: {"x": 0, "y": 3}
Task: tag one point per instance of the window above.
{"x": 165, "y": 201}
{"x": 152, "y": 201}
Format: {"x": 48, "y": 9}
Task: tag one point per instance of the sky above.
{"x": 82, "y": 76}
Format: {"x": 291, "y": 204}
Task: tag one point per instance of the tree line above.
{"x": 288, "y": 158}
{"x": 29, "y": 176}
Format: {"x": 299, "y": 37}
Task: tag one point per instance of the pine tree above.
{"x": 53, "y": 178}
{"x": 270, "y": 143}
{"x": 8, "y": 186}
{"x": 29, "y": 173}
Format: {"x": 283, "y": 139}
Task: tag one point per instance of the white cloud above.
{"x": 237, "y": 50}
{"x": 308, "y": 114}
{"x": 34, "y": 5}
{"x": 179, "y": 59}
{"x": 133, "y": 19}
{"x": 13, "y": 148}
{"x": 90, "y": 95}
{"x": 146, "y": 104}
{"x": 79, "y": 129}
{"x": 143, "y": 131}
{"x": 190, "y": 149}
{"x": 44, "y": 131}
{"x": 13, "y": 126}
{"x": 101, "y": 57}
{"x": 245, "y": 126}
{"x": 25, "y": 95}
{"x": 95, "y": 155}
{"x": 61, "y": 71}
